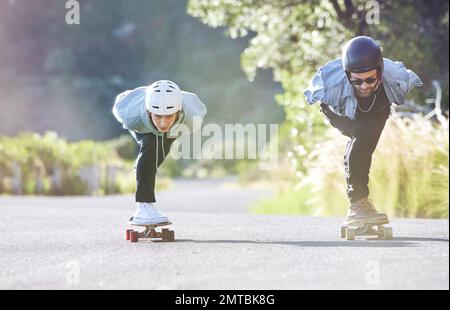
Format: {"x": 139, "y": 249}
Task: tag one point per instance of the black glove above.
{"x": 343, "y": 123}
{"x": 325, "y": 109}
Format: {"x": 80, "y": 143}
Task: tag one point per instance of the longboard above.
{"x": 150, "y": 232}
{"x": 367, "y": 229}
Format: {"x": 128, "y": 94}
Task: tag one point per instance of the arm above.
{"x": 128, "y": 109}
{"x": 194, "y": 110}
{"x": 343, "y": 123}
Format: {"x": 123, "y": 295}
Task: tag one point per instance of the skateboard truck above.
{"x": 350, "y": 232}
{"x": 150, "y": 232}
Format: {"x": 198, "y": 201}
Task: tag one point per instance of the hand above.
{"x": 341, "y": 122}
{"x": 324, "y": 108}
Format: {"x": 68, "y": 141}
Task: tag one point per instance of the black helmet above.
{"x": 362, "y": 54}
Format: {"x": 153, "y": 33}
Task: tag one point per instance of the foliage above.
{"x": 47, "y": 164}
{"x": 294, "y": 38}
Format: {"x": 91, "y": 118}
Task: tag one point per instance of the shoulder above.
{"x": 140, "y": 91}
{"x": 333, "y": 74}
{"x": 192, "y": 102}
{"x": 395, "y": 70}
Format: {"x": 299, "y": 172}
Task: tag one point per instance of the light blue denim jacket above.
{"x": 330, "y": 85}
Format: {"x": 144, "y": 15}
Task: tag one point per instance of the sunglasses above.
{"x": 359, "y": 82}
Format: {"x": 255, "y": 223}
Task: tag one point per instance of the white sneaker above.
{"x": 146, "y": 214}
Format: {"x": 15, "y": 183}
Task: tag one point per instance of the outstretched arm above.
{"x": 343, "y": 123}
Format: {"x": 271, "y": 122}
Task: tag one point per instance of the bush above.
{"x": 125, "y": 147}
{"x": 46, "y": 164}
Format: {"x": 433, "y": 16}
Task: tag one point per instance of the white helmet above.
{"x": 163, "y": 98}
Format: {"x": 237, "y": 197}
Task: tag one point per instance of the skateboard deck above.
{"x": 367, "y": 229}
{"x": 150, "y": 232}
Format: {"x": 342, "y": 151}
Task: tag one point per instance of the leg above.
{"x": 358, "y": 156}
{"x": 150, "y": 147}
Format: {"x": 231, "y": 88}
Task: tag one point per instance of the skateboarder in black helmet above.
{"x": 355, "y": 95}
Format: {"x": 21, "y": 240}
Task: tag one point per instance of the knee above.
{"x": 145, "y": 141}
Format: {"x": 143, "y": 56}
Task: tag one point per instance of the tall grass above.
{"x": 409, "y": 174}
{"x": 410, "y": 170}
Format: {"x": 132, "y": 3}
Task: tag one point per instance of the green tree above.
{"x": 295, "y": 37}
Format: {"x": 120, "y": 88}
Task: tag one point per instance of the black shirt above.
{"x": 381, "y": 107}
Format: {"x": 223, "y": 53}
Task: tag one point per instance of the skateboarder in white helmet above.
{"x": 149, "y": 113}
{"x": 356, "y": 93}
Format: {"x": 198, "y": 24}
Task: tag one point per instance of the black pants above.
{"x": 152, "y": 152}
{"x": 364, "y": 134}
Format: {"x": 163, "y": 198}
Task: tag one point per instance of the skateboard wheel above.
{"x": 343, "y": 231}
{"x": 388, "y": 234}
{"x": 351, "y": 232}
{"x": 381, "y": 232}
{"x": 170, "y": 236}
{"x": 134, "y": 236}
{"x": 128, "y": 234}
{"x": 164, "y": 233}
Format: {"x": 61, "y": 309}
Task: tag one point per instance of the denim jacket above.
{"x": 129, "y": 109}
{"x": 330, "y": 85}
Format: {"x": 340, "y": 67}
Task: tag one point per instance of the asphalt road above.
{"x": 79, "y": 243}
